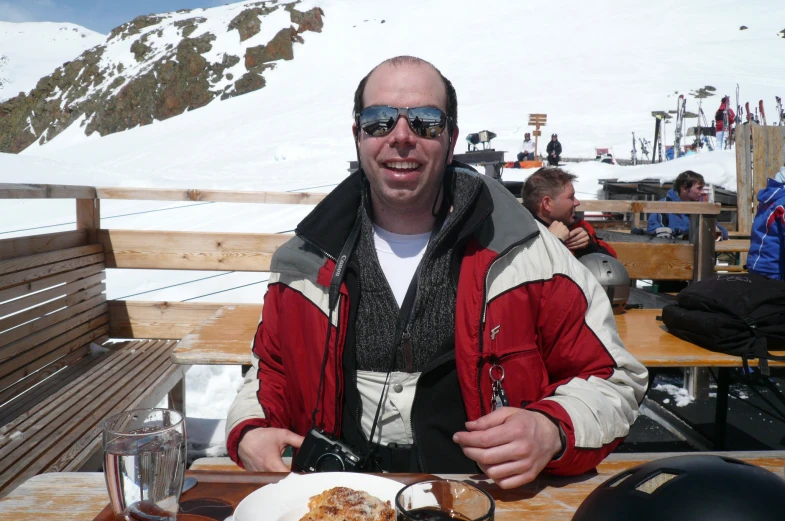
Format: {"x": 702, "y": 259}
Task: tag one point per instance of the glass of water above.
{"x": 144, "y": 463}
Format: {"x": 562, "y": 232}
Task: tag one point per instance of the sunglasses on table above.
{"x": 379, "y": 120}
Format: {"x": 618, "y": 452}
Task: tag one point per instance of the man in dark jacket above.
{"x": 334, "y": 347}
{"x": 550, "y": 196}
{"x": 554, "y": 150}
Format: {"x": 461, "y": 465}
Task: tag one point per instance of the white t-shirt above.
{"x": 399, "y": 255}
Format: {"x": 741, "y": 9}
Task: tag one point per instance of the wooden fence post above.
{"x": 702, "y": 229}
{"x": 88, "y": 217}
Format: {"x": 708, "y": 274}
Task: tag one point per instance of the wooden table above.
{"x": 223, "y": 339}
{"x": 226, "y": 337}
{"x": 83, "y": 497}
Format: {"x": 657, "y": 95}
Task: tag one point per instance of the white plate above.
{"x": 287, "y": 500}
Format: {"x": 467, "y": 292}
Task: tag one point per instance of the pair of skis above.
{"x": 681, "y": 106}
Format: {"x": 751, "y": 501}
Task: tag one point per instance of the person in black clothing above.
{"x": 554, "y": 150}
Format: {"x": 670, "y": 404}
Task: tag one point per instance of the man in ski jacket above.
{"x": 497, "y": 310}
{"x": 724, "y": 134}
{"x": 550, "y": 197}
{"x": 687, "y": 187}
{"x": 527, "y": 149}
{"x": 554, "y": 150}
{"x": 767, "y": 239}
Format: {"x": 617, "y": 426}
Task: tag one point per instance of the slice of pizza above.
{"x": 346, "y": 504}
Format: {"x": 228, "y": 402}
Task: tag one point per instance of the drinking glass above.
{"x": 443, "y": 500}
{"x": 144, "y": 463}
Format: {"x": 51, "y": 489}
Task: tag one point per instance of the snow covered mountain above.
{"x": 156, "y": 67}
{"x": 31, "y": 50}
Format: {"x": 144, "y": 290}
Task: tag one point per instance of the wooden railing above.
{"x": 178, "y": 250}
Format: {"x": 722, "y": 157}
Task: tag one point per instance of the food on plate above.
{"x": 346, "y": 504}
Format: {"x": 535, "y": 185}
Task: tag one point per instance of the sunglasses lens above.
{"x": 428, "y": 122}
{"x": 378, "y": 121}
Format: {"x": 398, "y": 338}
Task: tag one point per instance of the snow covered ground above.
{"x": 597, "y": 70}
{"x": 30, "y": 51}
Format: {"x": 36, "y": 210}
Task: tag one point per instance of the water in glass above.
{"x": 144, "y": 462}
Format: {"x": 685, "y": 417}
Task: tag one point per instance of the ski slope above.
{"x": 31, "y": 50}
{"x": 596, "y": 69}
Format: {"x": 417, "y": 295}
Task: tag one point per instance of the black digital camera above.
{"x": 321, "y": 453}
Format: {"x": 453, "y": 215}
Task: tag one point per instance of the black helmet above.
{"x": 612, "y": 276}
{"x": 688, "y": 488}
{"x": 554, "y": 135}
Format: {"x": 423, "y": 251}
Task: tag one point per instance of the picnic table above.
{"x": 62, "y": 496}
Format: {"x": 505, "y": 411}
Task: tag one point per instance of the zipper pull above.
{"x": 498, "y": 395}
{"x": 408, "y": 356}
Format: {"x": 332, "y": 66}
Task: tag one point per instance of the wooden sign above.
{"x": 537, "y": 121}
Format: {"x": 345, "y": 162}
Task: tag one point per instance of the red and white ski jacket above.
{"x": 523, "y": 302}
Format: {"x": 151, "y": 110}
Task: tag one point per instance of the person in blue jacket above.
{"x": 687, "y": 187}
{"x": 767, "y": 239}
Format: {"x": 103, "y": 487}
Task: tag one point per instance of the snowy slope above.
{"x": 596, "y": 69}
{"x": 31, "y": 50}
{"x": 598, "y": 74}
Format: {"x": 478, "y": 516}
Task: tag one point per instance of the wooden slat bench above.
{"x": 60, "y": 377}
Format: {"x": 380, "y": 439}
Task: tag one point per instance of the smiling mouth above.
{"x": 401, "y": 166}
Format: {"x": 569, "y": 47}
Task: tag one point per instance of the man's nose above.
{"x": 576, "y": 203}
{"x": 401, "y": 133}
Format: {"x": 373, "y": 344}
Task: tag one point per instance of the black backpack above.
{"x": 742, "y": 315}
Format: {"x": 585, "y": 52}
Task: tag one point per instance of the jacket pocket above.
{"x": 525, "y": 376}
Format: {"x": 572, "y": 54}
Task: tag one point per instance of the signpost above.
{"x": 537, "y": 121}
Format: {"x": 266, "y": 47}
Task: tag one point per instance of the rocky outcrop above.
{"x": 247, "y": 23}
{"x": 160, "y": 79}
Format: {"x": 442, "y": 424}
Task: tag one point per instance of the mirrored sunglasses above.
{"x": 379, "y": 120}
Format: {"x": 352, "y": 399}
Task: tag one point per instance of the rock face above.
{"x": 156, "y": 67}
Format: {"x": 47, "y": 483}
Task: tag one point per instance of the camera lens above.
{"x": 329, "y": 463}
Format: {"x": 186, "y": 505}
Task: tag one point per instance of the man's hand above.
{"x": 261, "y": 449}
{"x": 559, "y": 230}
{"x": 510, "y": 445}
{"x": 578, "y": 239}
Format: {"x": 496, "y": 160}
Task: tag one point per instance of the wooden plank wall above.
{"x": 52, "y": 305}
{"x": 754, "y": 166}
{"x": 139, "y": 319}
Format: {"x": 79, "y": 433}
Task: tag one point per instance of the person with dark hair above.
{"x": 553, "y": 150}
{"x": 550, "y": 197}
{"x": 687, "y": 187}
{"x": 724, "y": 135}
{"x": 527, "y": 149}
{"x": 407, "y": 293}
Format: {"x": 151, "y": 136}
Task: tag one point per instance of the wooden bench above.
{"x": 59, "y": 375}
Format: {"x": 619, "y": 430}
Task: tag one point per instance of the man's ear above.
{"x": 547, "y": 203}
{"x": 355, "y": 132}
{"x": 454, "y": 136}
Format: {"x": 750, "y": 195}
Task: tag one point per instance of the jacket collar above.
{"x": 329, "y": 224}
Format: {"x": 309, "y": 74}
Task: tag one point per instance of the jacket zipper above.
{"x": 484, "y": 309}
